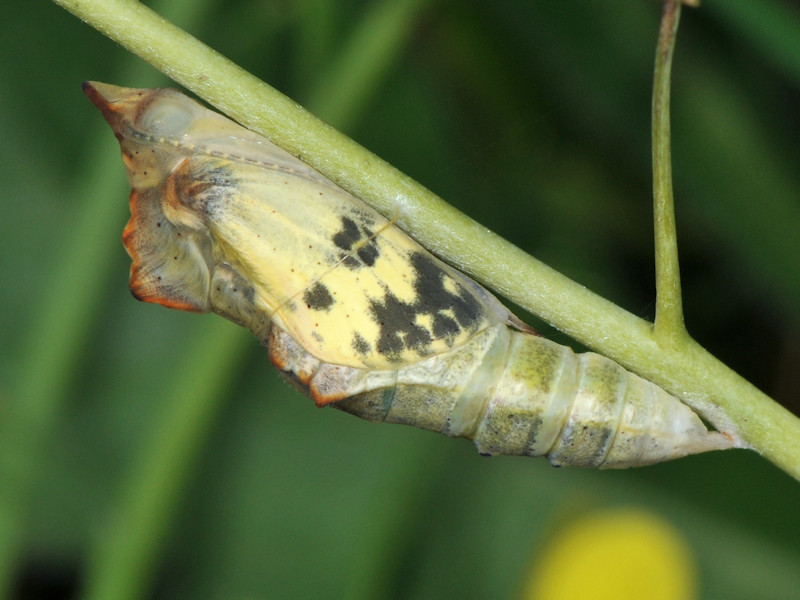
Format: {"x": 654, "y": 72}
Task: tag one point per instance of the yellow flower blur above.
{"x": 615, "y": 554}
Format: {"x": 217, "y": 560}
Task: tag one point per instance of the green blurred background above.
{"x": 158, "y": 454}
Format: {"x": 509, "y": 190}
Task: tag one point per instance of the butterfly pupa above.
{"x": 354, "y": 312}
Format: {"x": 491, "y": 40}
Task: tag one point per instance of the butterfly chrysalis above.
{"x": 354, "y": 312}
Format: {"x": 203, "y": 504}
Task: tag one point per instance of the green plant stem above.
{"x": 669, "y": 326}
{"x": 686, "y": 370}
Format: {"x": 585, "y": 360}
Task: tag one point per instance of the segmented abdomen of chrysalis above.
{"x": 514, "y": 393}
{"x": 354, "y": 312}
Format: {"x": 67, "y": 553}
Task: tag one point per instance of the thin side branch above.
{"x": 669, "y": 327}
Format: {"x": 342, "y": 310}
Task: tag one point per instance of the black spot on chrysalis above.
{"x": 317, "y": 297}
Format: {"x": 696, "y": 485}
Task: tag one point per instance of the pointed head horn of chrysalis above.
{"x": 116, "y": 103}
{"x": 165, "y": 238}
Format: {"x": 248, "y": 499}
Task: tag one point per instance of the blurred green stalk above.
{"x": 772, "y": 27}
{"x": 122, "y": 564}
{"x": 48, "y": 356}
